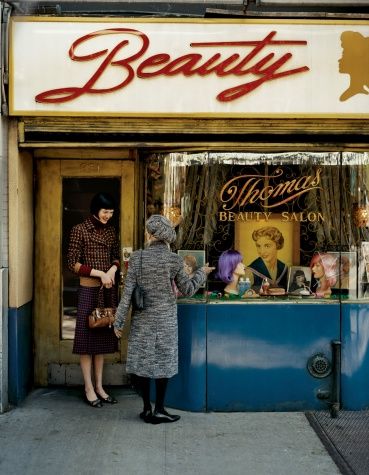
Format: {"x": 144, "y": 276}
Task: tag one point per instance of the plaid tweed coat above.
{"x": 97, "y": 248}
{"x": 153, "y": 336}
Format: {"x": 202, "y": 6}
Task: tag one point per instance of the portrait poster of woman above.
{"x": 290, "y": 230}
{"x": 192, "y": 260}
{"x": 299, "y": 280}
{"x": 346, "y": 279}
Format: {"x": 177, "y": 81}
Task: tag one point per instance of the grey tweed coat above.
{"x": 153, "y": 337}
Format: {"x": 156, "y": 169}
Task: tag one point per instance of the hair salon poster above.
{"x": 198, "y": 68}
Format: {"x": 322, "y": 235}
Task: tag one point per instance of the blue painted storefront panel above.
{"x": 355, "y": 356}
{"x": 257, "y": 355}
{"x": 20, "y": 352}
{"x": 187, "y": 390}
{"x": 245, "y": 357}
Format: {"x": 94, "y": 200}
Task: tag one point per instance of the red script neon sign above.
{"x": 264, "y": 69}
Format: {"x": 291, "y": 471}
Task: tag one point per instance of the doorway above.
{"x": 76, "y": 197}
{"x": 63, "y": 194}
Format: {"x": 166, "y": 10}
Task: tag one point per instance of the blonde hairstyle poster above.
{"x": 290, "y": 252}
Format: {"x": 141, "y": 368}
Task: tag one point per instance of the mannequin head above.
{"x": 230, "y": 266}
{"x": 324, "y": 268}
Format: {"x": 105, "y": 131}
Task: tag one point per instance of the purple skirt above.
{"x": 93, "y": 341}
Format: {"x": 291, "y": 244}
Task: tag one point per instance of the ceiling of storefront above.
{"x": 192, "y": 8}
{"x": 115, "y": 7}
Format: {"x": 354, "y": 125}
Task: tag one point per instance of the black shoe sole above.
{"x": 164, "y": 419}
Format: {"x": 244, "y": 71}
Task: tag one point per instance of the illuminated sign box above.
{"x": 196, "y": 68}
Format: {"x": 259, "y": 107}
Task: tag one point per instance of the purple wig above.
{"x": 228, "y": 261}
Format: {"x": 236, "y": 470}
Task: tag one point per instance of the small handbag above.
{"x": 101, "y": 316}
{"x": 138, "y": 293}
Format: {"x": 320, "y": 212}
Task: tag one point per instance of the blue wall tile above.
{"x": 20, "y": 352}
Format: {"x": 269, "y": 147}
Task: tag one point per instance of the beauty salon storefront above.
{"x": 231, "y": 129}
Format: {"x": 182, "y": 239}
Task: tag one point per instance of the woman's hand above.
{"x": 111, "y": 273}
{"x": 107, "y": 280}
{"x": 118, "y": 333}
{"x": 207, "y": 269}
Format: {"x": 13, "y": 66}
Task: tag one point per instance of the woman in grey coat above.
{"x": 153, "y": 337}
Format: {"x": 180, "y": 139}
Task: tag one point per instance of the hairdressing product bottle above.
{"x": 244, "y": 285}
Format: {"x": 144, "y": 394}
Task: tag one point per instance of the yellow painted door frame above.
{"x": 50, "y": 350}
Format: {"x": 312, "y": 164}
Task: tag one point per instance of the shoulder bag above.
{"x": 138, "y": 292}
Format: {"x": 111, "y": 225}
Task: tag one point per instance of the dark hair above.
{"x": 101, "y": 201}
{"x": 297, "y": 273}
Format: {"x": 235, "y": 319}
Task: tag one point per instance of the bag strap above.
{"x": 100, "y": 298}
{"x": 140, "y": 283}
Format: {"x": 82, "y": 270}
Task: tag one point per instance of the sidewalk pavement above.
{"x": 55, "y": 433}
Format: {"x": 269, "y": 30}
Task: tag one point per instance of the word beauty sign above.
{"x": 189, "y": 68}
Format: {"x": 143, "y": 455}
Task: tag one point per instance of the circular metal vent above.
{"x": 319, "y": 366}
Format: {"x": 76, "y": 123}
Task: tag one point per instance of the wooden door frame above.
{"x": 50, "y": 351}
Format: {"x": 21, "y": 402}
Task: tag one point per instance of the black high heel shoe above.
{"x": 107, "y": 400}
{"x": 96, "y": 403}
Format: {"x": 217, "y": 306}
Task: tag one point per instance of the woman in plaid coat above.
{"x": 93, "y": 255}
{"x": 153, "y": 337}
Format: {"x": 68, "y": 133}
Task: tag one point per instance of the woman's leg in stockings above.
{"x": 161, "y": 389}
{"x": 143, "y": 385}
{"x": 160, "y": 414}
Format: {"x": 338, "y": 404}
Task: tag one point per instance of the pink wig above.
{"x": 330, "y": 266}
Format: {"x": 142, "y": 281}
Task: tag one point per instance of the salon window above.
{"x": 299, "y": 221}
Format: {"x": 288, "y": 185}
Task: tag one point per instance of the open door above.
{"x": 64, "y": 192}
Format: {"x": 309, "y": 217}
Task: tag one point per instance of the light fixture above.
{"x": 361, "y": 215}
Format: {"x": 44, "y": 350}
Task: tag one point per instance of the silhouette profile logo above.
{"x": 354, "y": 62}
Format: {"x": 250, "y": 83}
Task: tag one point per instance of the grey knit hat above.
{"x": 161, "y": 228}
